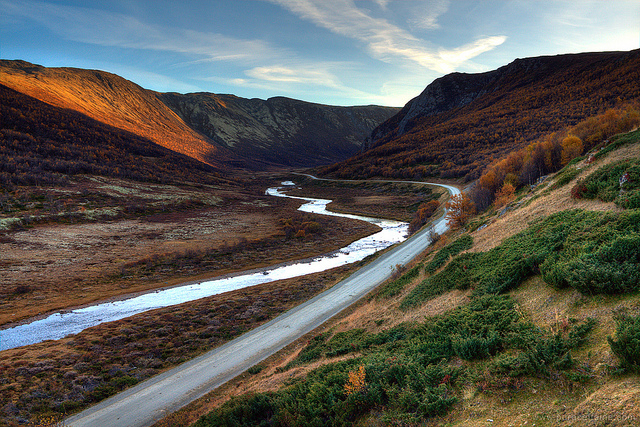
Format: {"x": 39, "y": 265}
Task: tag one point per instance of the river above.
{"x": 62, "y": 324}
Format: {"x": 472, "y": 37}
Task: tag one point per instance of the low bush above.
{"x": 590, "y": 251}
{"x": 394, "y": 287}
{"x": 443, "y": 255}
{"x": 403, "y": 372}
{"x": 626, "y": 344}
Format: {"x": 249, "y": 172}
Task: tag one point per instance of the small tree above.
{"x": 459, "y": 209}
{"x": 571, "y": 148}
{"x": 356, "y": 382}
{"x": 505, "y": 195}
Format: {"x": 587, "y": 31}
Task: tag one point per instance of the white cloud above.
{"x": 384, "y": 40}
{"x": 426, "y": 17}
{"x": 300, "y": 75}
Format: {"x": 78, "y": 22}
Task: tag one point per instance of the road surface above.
{"x": 151, "y": 400}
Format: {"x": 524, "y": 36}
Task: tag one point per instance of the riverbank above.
{"x": 52, "y": 267}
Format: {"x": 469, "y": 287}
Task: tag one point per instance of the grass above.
{"x": 395, "y": 286}
{"x": 406, "y": 373}
{"x": 443, "y": 255}
{"x": 589, "y": 251}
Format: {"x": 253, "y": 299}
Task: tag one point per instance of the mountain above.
{"x": 215, "y": 129}
{"x": 43, "y": 144}
{"x": 461, "y": 122}
{"x": 113, "y": 100}
{"x": 279, "y": 130}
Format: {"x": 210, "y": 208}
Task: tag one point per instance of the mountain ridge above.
{"x": 280, "y": 129}
{"x": 215, "y": 129}
{"x": 461, "y": 122}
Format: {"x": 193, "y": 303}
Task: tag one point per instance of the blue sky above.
{"x": 339, "y": 52}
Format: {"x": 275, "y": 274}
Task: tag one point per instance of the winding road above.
{"x": 151, "y": 400}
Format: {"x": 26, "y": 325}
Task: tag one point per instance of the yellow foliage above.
{"x": 356, "y": 382}
{"x": 571, "y": 148}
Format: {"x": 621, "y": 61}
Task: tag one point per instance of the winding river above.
{"x": 62, "y": 324}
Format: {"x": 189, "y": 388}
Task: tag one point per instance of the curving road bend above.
{"x": 151, "y": 400}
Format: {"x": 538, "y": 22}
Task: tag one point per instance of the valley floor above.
{"x": 56, "y": 264}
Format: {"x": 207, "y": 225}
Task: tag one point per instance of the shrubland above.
{"x": 554, "y": 366}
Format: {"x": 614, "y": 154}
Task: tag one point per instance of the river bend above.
{"x": 62, "y": 324}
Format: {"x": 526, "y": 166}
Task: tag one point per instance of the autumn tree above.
{"x": 571, "y": 148}
{"x": 356, "y": 382}
{"x": 424, "y": 212}
{"x": 460, "y": 208}
{"x": 505, "y": 195}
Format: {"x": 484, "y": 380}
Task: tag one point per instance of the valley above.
{"x": 514, "y": 302}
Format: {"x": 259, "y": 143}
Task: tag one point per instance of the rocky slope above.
{"x": 460, "y": 122}
{"x": 279, "y": 130}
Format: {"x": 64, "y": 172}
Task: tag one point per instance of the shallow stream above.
{"x": 62, "y": 324}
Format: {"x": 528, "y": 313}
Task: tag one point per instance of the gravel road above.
{"x": 153, "y": 399}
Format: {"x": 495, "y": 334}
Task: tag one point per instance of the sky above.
{"x": 336, "y": 52}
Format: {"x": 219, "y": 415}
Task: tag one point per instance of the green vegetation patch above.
{"x": 404, "y": 372}
{"x": 396, "y": 286}
{"x": 618, "y": 182}
{"x": 626, "y": 344}
{"x": 618, "y": 141}
{"x": 566, "y": 175}
{"x": 590, "y": 251}
{"x": 442, "y": 256}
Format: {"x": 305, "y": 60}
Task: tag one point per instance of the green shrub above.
{"x": 405, "y": 368}
{"x": 626, "y": 344}
{"x": 544, "y": 354}
{"x": 396, "y": 286}
{"x": 567, "y": 174}
{"x": 590, "y": 251}
{"x": 442, "y": 256}
{"x": 604, "y": 184}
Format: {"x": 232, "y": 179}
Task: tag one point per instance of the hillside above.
{"x": 113, "y": 100}
{"x": 461, "y": 122}
{"x": 279, "y": 130}
{"x": 528, "y": 317}
{"x": 42, "y": 144}
{"x": 216, "y": 129}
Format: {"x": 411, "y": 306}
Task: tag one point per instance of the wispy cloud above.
{"x": 426, "y": 18}
{"x": 105, "y": 28}
{"x": 384, "y": 40}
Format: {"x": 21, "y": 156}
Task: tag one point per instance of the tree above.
{"x": 505, "y": 195}
{"x": 571, "y": 148}
{"x": 459, "y": 209}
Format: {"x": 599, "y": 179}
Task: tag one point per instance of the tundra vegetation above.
{"x": 491, "y": 348}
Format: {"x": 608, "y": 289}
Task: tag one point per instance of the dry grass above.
{"x": 544, "y": 203}
{"x": 37, "y": 378}
{"x": 61, "y": 265}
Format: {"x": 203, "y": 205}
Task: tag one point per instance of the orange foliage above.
{"x": 459, "y": 209}
{"x": 505, "y": 195}
{"x": 571, "y": 148}
{"x": 425, "y": 211}
{"x": 356, "y": 382}
{"x": 550, "y": 153}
